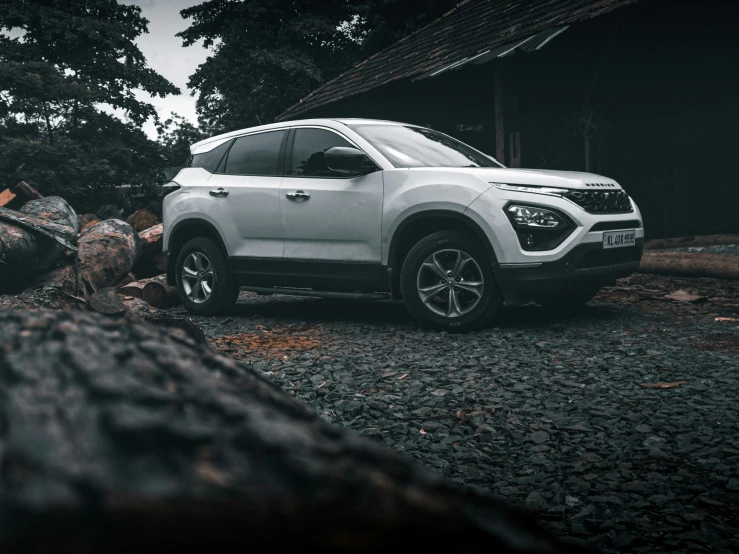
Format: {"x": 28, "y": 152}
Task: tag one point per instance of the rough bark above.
{"x": 125, "y": 437}
{"x": 700, "y": 240}
{"x": 107, "y": 253}
{"x": 690, "y": 264}
{"x": 160, "y": 295}
{"x": 142, "y": 219}
{"x": 107, "y": 301}
{"x": 34, "y": 239}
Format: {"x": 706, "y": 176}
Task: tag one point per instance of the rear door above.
{"x": 331, "y": 222}
{"x": 243, "y": 198}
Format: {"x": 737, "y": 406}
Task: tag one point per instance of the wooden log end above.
{"x": 160, "y": 295}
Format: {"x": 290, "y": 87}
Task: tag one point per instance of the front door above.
{"x": 244, "y": 198}
{"x": 331, "y": 223}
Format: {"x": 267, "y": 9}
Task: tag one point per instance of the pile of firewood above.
{"x": 45, "y": 245}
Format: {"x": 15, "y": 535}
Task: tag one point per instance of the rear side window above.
{"x": 211, "y": 159}
{"x": 256, "y": 154}
{"x": 308, "y": 148}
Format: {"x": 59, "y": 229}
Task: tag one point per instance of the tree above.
{"x": 384, "y": 22}
{"x": 175, "y": 135}
{"x": 64, "y": 68}
{"x": 267, "y": 55}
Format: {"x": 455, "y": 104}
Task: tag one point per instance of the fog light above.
{"x": 533, "y": 217}
{"x": 529, "y": 240}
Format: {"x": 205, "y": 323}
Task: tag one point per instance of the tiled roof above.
{"x": 472, "y": 28}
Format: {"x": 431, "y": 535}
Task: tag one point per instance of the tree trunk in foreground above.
{"x": 118, "y": 436}
{"x": 690, "y": 264}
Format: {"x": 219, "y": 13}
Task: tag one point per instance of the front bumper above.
{"x": 586, "y": 266}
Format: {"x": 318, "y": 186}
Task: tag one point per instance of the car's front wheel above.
{"x": 204, "y": 282}
{"x": 447, "y": 283}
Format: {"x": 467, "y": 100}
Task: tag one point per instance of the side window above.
{"x": 256, "y": 154}
{"x": 308, "y": 148}
{"x": 209, "y": 160}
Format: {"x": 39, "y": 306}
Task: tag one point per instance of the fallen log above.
{"x": 142, "y": 219}
{"x": 136, "y": 288}
{"x": 34, "y": 239}
{"x": 107, "y": 253}
{"x": 699, "y": 240}
{"x": 690, "y": 264}
{"x": 17, "y": 196}
{"x": 86, "y": 220}
{"x": 160, "y": 295}
{"x": 122, "y": 437}
{"x": 151, "y": 238}
{"x": 106, "y": 301}
{"x": 153, "y": 261}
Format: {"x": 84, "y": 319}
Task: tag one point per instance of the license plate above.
{"x": 619, "y": 239}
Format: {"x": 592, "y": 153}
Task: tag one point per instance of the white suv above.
{"x": 363, "y": 208}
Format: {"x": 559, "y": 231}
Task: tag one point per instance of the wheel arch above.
{"x": 184, "y": 231}
{"x": 418, "y": 225}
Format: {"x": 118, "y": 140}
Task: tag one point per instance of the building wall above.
{"x": 658, "y": 83}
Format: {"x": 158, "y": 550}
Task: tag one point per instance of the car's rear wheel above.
{"x": 203, "y": 281}
{"x": 448, "y": 284}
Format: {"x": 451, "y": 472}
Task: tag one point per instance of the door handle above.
{"x": 298, "y": 195}
{"x": 219, "y": 192}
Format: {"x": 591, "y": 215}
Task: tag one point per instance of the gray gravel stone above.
{"x": 538, "y": 409}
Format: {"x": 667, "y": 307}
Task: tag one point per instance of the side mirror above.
{"x": 344, "y": 159}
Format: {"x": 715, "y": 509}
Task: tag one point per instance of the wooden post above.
{"x": 499, "y": 128}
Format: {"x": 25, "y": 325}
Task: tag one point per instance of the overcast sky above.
{"x": 166, "y": 55}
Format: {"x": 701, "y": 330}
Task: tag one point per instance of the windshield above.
{"x": 406, "y": 146}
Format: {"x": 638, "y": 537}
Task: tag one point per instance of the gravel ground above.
{"x": 547, "y": 410}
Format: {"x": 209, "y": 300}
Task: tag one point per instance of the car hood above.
{"x": 537, "y": 177}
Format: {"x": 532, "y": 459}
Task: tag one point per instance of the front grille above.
{"x": 615, "y": 225}
{"x": 601, "y": 258}
{"x": 601, "y": 201}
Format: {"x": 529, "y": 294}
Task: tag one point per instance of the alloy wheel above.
{"x": 197, "y": 277}
{"x": 450, "y": 283}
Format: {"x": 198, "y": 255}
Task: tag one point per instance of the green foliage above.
{"x": 175, "y": 135}
{"x": 74, "y": 58}
{"x": 267, "y": 55}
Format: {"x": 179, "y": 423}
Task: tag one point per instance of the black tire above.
{"x": 224, "y": 290}
{"x": 569, "y": 302}
{"x": 444, "y": 243}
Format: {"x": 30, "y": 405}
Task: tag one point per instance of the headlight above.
{"x": 534, "y": 218}
{"x": 530, "y": 188}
